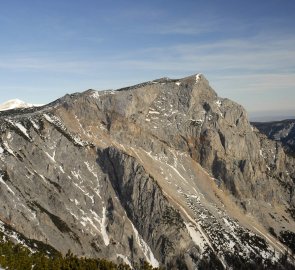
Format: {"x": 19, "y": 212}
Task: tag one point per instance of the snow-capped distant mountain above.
{"x": 15, "y": 104}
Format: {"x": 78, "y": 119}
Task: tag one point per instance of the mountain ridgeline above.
{"x": 282, "y": 131}
{"x": 165, "y": 172}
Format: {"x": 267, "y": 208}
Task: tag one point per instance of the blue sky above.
{"x": 246, "y": 49}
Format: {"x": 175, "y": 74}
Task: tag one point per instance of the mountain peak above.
{"x": 14, "y": 104}
{"x": 149, "y": 171}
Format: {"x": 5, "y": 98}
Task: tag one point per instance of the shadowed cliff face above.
{"x": 283, "y": 131}
{"x": 165, "y": 171}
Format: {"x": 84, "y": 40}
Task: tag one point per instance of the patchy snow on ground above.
{"x": 145, "y": 249}
{"x": 95, "y": 94}
{"x": 125, "y": 260}
{"x": 198, "y": 77}
{"x": 196, "y": 236}
{"x": 103, "y": 227}
{"x": 218, "y": 102}
{"x": 51, "y": 157}
{"x": 22, "y": 129}
{"x": 35, "y": 125}
{"x": 4, "y": 183}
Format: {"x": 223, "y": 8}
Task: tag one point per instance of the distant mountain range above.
{"x": 15, "y": 104}
{"x": 165, "y": 171}
{"x": 283, "y": 131}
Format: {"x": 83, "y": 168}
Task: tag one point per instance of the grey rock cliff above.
{"x": 165, "y": 171}
{"x": 283, "y": 131}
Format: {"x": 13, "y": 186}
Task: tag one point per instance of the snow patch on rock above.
{"x": 125, "y": 260}
{"x": 4, "y": 183}
{"x": 145, "y": 249}
{"x": 103, "y": 227}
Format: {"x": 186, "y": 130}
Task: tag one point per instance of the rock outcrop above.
{"x": 165, "y": 171}
{"x": 283, "y": 131}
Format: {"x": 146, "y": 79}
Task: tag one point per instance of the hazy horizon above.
{"x": 267, "y": 116}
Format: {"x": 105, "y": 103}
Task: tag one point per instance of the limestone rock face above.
{"x": 165, "y": 171}
{"x": 283, "y": 131}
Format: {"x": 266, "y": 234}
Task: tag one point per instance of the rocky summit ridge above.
{"x": 164, "y": 171}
